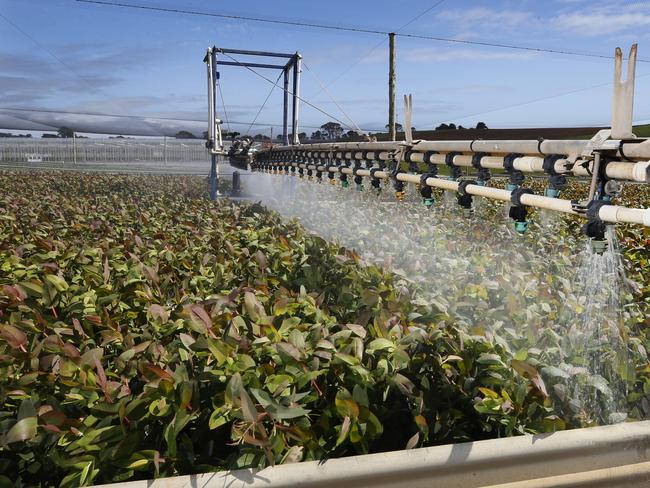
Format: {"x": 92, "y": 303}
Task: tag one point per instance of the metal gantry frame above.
{"x": 291, "y": 72}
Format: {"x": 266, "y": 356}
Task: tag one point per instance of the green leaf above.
{"x": 23, "y": 430}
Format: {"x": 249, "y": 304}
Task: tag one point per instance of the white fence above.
{"x": 101, "y": 150}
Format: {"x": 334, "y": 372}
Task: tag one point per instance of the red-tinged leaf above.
{"x": 94, "y": 319}
{"x": 157, "y": 461}
{"x": 51, "y": 428}
{"x": 77, "y": 326}
{"x": 70, "y": 350}
{"x": 539, "y": 384}
{"x": 156, "y": 371}
{"x": 413, "y": 441}
{"x": 16, "y": 293}
{"x": 343, "y": 433}
{"x": 199, "y": 315}
{"x": 13, "y": 336}
{"x": 158, "y": 312}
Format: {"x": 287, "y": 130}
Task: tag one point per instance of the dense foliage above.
{"x": 146, "y": 331}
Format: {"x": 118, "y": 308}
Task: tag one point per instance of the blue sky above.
{"x": 122, "y": 61}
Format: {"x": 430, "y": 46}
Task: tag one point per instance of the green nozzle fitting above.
{"x": 552, "y": 193}
{"x": 359, "y": 187}
{"x": 467, "y": 212}
{"x": 599, "y": 246}
{"x": 345, "y": 184}
{"x": 521, "y": 227}
{"x": 428, "y": 202}
{"x": 511, "y": 187}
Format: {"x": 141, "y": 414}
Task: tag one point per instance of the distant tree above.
{"x": 279, "y": 137}
{"x": 49, "y": 136}
{"x": 452, "y": 126}
{"x": 481, "y": 125}
{"x": 183, "y": 134}
{"x": 333, "y": 130}
{"x": 6, "y": 134}
{"x": 204, "y": 135}
{"x": 233, "y": 135}
{"x": 398, "y": 127}
{"x": 317, "y": 136}
{"x": 351, "y": 134}
{"x": 442, "y": 127}
{"x": 302, "y": 136}
{"x": 65, "y": 132}
{"x": 460, "y": 127}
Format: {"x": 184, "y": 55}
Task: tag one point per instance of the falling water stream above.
{"x": 491, "y": 280}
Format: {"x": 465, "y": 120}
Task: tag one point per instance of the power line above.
{"x": 138, "y": 117}
{"x": 540, "y": 99}
{"x": 350, "y": 29}
{"x": 265, "y": 100}
{"x": 49, "y": 51}
{"x": 380, "y": 43}
{"x": 289, "y": 92}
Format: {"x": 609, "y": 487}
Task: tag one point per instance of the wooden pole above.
{"x": 391, "y": 87}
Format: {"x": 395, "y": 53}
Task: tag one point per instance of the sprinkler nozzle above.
{"x": 598, "y": 246}
{"x": 399, "y": 195}
{"x": 511, "y": 187}
{"x": 428, "y": 202}
{"x": 552, "y": 193}
{"x": 480, "y": 182}
{"x": 521, "y": 226}
{"x": 345, "y": 184}
{"x": 359, "y": 187}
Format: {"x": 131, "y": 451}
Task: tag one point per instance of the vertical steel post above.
{"x": 391, "y": 87}
{"x": 215, "y": 86}
{"x": 74, "y": 146}
{"x": 296, "y": 97}
{"x": 285, "y": 109}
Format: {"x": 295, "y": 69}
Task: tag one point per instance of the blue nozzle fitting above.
{"x": 521, "y": 226}
{"x": 552, "y": 193}
{"x": 598, "y": 246}
{"x": 359, "y": 187}
{"x": 480, "y": 182}
{"x": 345, "y": 184}
{"x": 428, "y": 202}
{"x": 511, "y": 187}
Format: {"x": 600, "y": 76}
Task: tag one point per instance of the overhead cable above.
{"x": 350, "y": 29}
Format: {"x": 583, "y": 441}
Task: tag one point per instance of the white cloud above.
{"x": 603, "y": 20}
{"x": 487, "y": 18}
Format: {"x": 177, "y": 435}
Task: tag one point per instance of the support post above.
{"x": 391, "y": 87}
{"x": 213, "y": 178}
{"x": 74, "y": 147}
{"x": 165, "y": 149}
{"x": 296, "y": 97}
{"x": 285, "y": 109}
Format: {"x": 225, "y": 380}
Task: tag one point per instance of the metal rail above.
{"x": 611, "y": 456}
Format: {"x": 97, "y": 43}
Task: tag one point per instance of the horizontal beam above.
{"x": 251, "y": 65}
{"x": 254, "y": 53}
{"x": 639, "y": 149}
{"x": 610, "y": 456}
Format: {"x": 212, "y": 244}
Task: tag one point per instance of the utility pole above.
{"x": 391, "y": 87}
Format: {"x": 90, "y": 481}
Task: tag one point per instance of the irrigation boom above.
{"x": 611, "y": 157}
